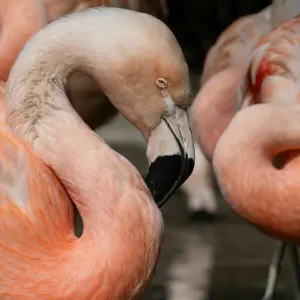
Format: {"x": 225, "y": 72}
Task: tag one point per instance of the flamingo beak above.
{"x": 171, "y": 155}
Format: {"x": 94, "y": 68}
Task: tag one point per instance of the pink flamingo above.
{"x": 96, "y": 109}
{"x": 271, "y": 78}
{"x": 40, "y": 257}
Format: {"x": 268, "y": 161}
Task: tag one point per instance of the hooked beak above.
{"x": 171, "y": 155}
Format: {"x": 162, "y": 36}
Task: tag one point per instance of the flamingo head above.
{"x": 154, "y": 95}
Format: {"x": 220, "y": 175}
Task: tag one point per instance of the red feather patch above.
{"x": 264, "y": 69}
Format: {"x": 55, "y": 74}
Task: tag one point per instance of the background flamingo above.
{"x": 231, "y": 51}
{"x": 269, "y": 79}
{"x": 229, "y": 57}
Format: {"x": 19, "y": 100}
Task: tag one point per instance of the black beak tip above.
{"x": 167, "y": 174}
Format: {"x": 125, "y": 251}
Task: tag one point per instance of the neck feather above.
{"x": 39, "y": 111}
{"x": 117, "y": 210}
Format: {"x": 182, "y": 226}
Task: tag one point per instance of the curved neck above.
{"x": 283, "y": 10}
{"x": 109, "y": 193}
{"x": 114, "y": 61}
{"x": 39, "y": 111}
{"x": 265, "y": 195}
{"x": 36, "y": 85}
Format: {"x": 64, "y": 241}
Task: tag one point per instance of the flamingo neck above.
{"x": 262, "y": 190}
{"x": 50, "y": 125}
{"x": 39, "y": 111}
{"x": 122, "y": 224}
{"x": 283, "y": 10}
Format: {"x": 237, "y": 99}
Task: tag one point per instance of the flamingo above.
{"x": 51, "y": 159}
{"x": 19, "y": 21}
{"x": 230, "y": 52}
{"x": 96, "y": 110}
{"x": 271, "y": 79}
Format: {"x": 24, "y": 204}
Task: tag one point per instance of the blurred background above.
{"x": 222, "y": 257}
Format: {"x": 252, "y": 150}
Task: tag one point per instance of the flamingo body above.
{"x": 257, "y": 158}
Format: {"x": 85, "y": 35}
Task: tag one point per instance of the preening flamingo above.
{"x": 96, "y": 109}
{"x": 260, "y": 181}
{"x": 19, "y": 21}
{"x": 138, "y": 63}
